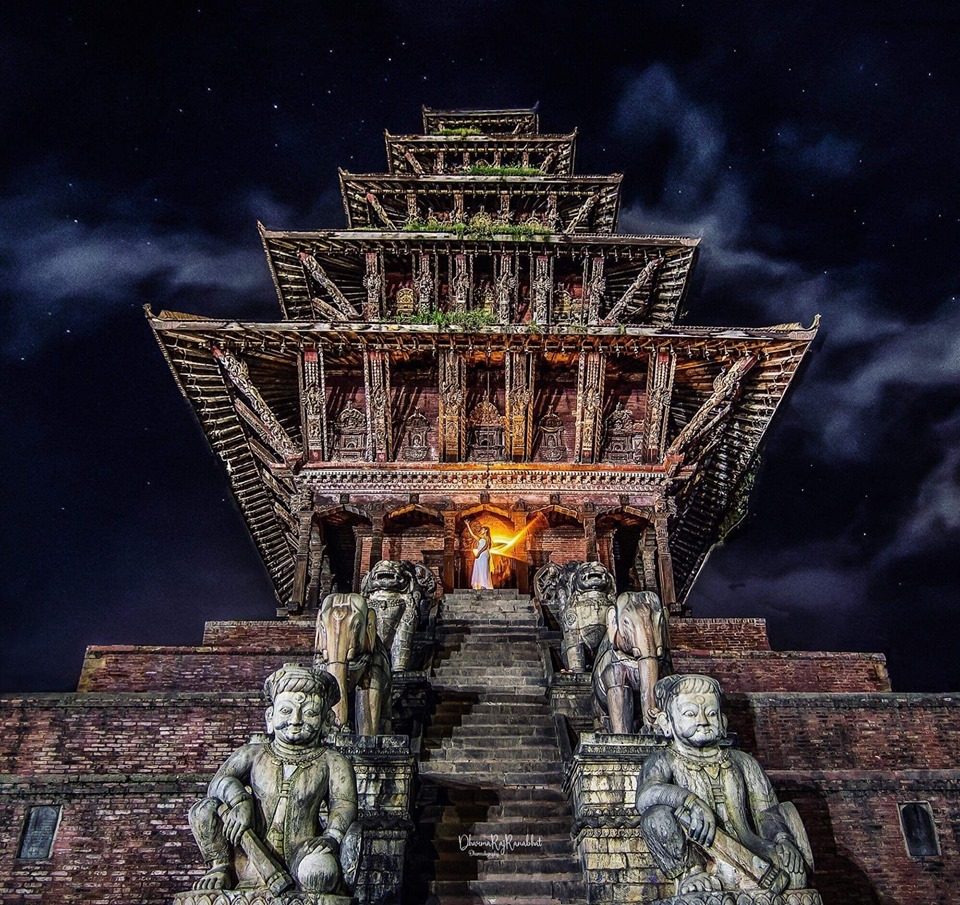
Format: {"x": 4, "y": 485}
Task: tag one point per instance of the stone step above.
{"x": 474, "y": 748}
{"x": 541, "y": 732}
{"x": 512, "y": 890}
{"x": 556, "y": 827}
{"x": 545, "y": 743}
{"x": 492, "y": 778}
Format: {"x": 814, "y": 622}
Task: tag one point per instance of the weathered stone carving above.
{"x": 278, "y": 813}
{"x": 347, "y": 647}
{"x": 585, "y": 592}
{"x": 708, "y": 812}
{"x": 395, "y": 591}
{"x": 634, "y": 654}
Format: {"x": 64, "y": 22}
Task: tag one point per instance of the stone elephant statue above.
{"x": 633, "y": 656}
{"x": 585, "y": 591}
{"x": 347, "y": 647}
{"x": 399, "y": 592}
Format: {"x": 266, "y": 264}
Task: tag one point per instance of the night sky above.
{"x": 813, "y": 146}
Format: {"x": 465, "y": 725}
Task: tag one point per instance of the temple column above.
{"x": 668, "y": 594}
{"x": 376, "y": 539}
{"x": 376, "y": 376}
{"x": 661, "y": 367}
{"x": 590, "y": 380}
{"x": 648, "y": 559}
{"x": 313, "y": 406}
{"x": 303, "y": 506}
{"x": 589, "y": 518}
{"x": 449, "y": 551}
{"x": 595, "y": 285}
{"x": 520, "y": 518}
{"x": 452, "y": 423}
{"x": 373, "y": 283}
{"x": 518, "y": 379}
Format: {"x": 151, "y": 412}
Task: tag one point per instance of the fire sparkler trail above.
{"x": 503, "y": 544}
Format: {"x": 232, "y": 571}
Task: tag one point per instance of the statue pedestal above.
{"x": 602, "y": 788}
{"x": 255, "y": 897}
{"x": 751, "y": 897}
{"x": 617, "y": 866}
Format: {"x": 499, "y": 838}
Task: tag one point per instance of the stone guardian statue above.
{"x": 277, "y": 811}
{"x": 708, "y": 812}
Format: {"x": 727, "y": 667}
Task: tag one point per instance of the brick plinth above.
{"x": 125, "y": 833}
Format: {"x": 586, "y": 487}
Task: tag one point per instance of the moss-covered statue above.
{"x": 709, "y": 814}
{"x": 277, "y": 811}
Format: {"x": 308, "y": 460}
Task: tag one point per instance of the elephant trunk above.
{"x": 342, "y": 708}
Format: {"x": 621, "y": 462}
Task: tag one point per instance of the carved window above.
{"x": 919, "y": 830}
{"x": 39, "y": 832}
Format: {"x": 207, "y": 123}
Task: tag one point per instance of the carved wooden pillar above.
{"x": 594, "y": 285}
{"x": 449, "y": 551}
{"x": 541, "y": 289}
{"x": 376, "y": 376}
{"x": 376, "y": 539}
{"x": 411, "y": 205}
{"x": 590, "y": 380}
{"x": 668, "y": 594}
{"x": 373, "y": 283}
{"x": 505, "y": 206}
{"x": 458, "y": 208}
{"x": 313, "y": 405}
{"x": 590, "y": 535}
{"x": 441, "y": 163}
{"x": 316, "y": 552}
{"x": 648, "y": 559}
{"x": 459, "y": 283}
{"x": 660, "y": 371}
{"x": 302, "y": 505}
{"x": 423, "y": 282}
{"x": 520, "y": 518}
{"x": 452, "y": 378}
{"x": 519, "y": 379}
{"x": 505, "y": 287}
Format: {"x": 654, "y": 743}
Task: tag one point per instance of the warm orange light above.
{"x": 504, "y": 543}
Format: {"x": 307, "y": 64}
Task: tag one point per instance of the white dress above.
{"x": 481, "y": 577}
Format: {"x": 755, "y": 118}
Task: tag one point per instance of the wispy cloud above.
{"x": 60, "y": 271}
{"x": 871, "y": 361}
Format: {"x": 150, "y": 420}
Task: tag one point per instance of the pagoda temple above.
{"x": 479, "y": 376}
{"x": 480, "y": 344}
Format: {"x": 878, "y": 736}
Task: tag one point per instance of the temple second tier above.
{"x": 423, "y": 274}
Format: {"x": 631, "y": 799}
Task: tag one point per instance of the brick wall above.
{"x": 750, "y": 670}
{"x": 849, "y": 731}
{"x": 120, "y": 841}
{"x": 685, "y": 634}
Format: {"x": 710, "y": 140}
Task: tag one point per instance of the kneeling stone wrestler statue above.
{"x": 260, "y": 825}
{"x": 708, "y": 812}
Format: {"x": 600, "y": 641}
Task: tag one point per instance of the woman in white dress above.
{"x": 481, "y": 578}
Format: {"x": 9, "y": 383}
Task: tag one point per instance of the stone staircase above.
{"x": 493, "y": 823}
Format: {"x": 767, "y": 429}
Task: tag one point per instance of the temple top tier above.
{"x": 489, "y": 122}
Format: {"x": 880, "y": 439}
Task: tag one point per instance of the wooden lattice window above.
{"x": 39, "y": 832}
{"x": 919, "y": 830}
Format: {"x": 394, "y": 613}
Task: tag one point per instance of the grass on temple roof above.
{"x": 469, "y": 320}
{"x": 461, "y": 132}
{"x": 481, "y": 169}
{"x": 478, "y": 227}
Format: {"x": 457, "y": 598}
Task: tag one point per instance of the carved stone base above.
{"x": 753, "y": 897}
{"x": 255, "y": 897}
